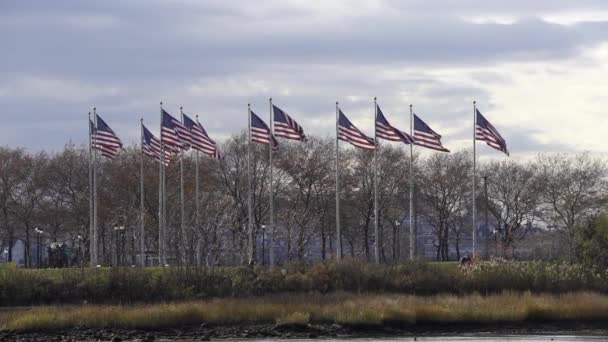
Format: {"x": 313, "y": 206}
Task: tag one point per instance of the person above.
{"x": 465, "y": 262}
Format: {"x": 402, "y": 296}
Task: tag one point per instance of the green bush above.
{"x": 129, "y": 285}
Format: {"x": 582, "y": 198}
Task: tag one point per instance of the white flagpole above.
{"x": 91, "y": 202}
{"x": 95, "y": 254}
{"x": 197, "y": 204}
{"x": 270, "y": 252}
{"x": 474, "y": 177}
{"x": 181, "y": 196}
{"x": 338, "y": 232}
{"x": 376, "y": 229}
{"x": 249, "y": 201}
{"x": 142, "y": 240}
{"x": 412, "y": 214}
{"x": 161, "y": 176}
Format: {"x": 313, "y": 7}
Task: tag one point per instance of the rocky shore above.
{"x": 206, "y": 332}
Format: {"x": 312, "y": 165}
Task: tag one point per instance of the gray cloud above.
{"x": 212, "y": 57}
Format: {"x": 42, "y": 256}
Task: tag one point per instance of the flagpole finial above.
{"x": 270, "y": 99}
{"x": 161, "y": 103}
{"x": 336, "y": 103}
{"x": 249, "y": 105}
{"x": 375, "y": 98}
{"x": 141, "y": 120}
{"x": 196, "y": 116}
{"x": 411, "y": 105}
{"x": 474, "y": 102}
{"x": 180, "y": 107}
{"x": 94, "y": 108}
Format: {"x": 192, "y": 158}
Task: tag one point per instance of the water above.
{"x": 475, "y": 338}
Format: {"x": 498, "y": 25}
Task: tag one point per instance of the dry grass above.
{"x": 341, "y": 308}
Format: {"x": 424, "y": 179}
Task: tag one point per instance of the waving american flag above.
{"x": 200, "y": 139}
{"x": 426, "y": 137}
{"x": 173, "y": 133}
{"x": 349, "y": 133}
{"x": 484, "y": 131}
{"x": 103, "y": 138}
{"x": 386, "y": 131}
{"x": 151, "y": 146}
{"x": 260, "y": 132}
{"x": 285, "y": 126}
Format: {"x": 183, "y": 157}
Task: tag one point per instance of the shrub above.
{"x": 129, "y": 285}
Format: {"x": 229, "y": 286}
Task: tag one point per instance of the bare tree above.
{"x": 444, "y": 194}
{"x": 514, "y": 192}
{"x": 28, "y": 197}
{"x": 12, "y": 162}
{"x": 307, "y": 171}
{"x": 573, "y": 191}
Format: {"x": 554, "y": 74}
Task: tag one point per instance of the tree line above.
{"x": 50, "y": 192}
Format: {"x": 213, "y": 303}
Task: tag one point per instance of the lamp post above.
{"x": 495, "y": 242}
{"x": 396, "y": 244}
{"x": 38, "y": 233}
{"x": 118, "y": 230}
{"x": 263, "y": 242}
{"x": 80, "y": 250}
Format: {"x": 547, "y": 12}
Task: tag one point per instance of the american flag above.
{"x": 200, "y": 138}
{"x": 426, "y": 137}
{"x": 484, "y": 131}
{"x": 260, "y": 132}
{"x": 151, "y": 146}
{"x": 349, "y": 133}
{"x": 286, "y": 127}
{"x": 384, "y": 130}
{"x": 173, "y": 133}
{"x": 103, "y": 138}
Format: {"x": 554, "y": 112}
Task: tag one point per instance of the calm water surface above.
{"x": 501, "y": 338}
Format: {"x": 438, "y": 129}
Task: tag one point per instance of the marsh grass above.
{"x": 342, "y": 308}
{"x": 19, "y": 287}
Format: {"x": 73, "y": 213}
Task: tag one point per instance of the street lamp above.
{"x": 396, "y": 244}
{"x": 263, "y": 239}
{"x": 38, "y": 233}
{"x": 118, "y": 230}
{"x": 79, "y": 238}
{"x": 495, "y": 231}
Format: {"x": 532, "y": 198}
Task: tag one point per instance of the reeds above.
{"x": 20, "y": 287}
{"x": 340, "y": 308}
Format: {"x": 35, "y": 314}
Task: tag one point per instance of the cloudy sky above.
{"x": 538, "y": 69}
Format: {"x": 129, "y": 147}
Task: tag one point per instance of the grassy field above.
{"x": 341, "y": 308}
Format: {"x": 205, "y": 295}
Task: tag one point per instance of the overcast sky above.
{"x": 538, "y": 69}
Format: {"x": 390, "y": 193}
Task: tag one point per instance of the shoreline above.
{"x": 307, "y": 315}
{"x": 309, "y": 331}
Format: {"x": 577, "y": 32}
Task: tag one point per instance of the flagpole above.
{"x": 181, "y": 195}
{"x": 338, "y": 232}
{"x": 160, "y": 191}
{"x": 270, "y": 252}
{"x": 412, "y": 230}
{"x": 474, "y": 176}
{"x": 91, "y": 202}
{"x": 376, "y": 229}
{"x": 249, "y": 201}
{"x": 95, "y": 254}
{"x": 197, "y": 203}
{"x": 142, "y": 241}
